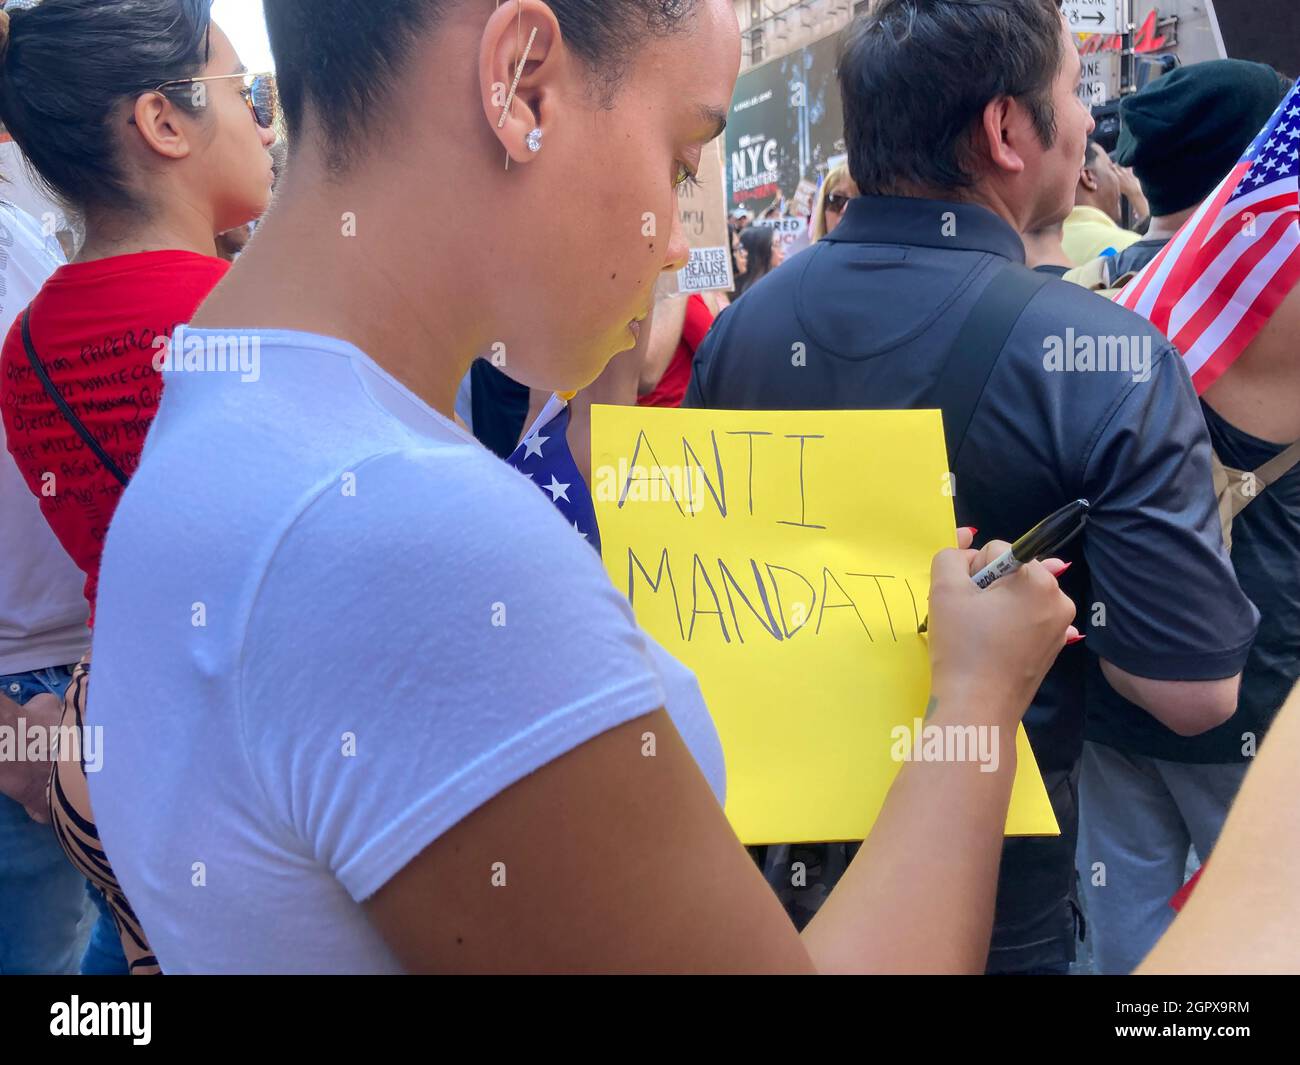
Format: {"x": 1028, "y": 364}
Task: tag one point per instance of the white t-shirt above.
{"x": 330, "y": 625}
{"x": 42, "y": 607}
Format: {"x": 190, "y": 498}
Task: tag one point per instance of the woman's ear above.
{"x": 518, "y": 101}
{"x": 156, "y": 120}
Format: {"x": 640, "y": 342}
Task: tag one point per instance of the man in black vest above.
{"x": 964, "y": 129}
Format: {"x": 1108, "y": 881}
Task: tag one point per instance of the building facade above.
{"x": 774, "y": 28}
{"x": 785, "y": 129}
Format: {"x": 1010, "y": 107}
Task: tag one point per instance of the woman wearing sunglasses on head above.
{"x": 138, "y": 115}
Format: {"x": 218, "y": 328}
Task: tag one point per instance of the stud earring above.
{"x": 534, "y": 140}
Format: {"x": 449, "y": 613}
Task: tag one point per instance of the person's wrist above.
{"x": 9, "y": 711}
{"x": 20, "y": 780}
{"x": 984, "y": 727}
{"x": 980, "y": 703}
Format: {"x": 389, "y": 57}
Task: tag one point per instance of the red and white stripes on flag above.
{"x": 1214, "y": 286}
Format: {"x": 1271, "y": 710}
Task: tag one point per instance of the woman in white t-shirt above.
{"x": 42, "y": 635}
{"x": 403, "y": 710}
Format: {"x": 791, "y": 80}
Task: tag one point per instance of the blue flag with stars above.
{"x": 544, "y": 458}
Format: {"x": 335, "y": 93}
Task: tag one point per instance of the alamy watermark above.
{"x": 239, "y": 353}
{"x": 687, "y": 486}
{"x": 49, "y": 743}
{"x": 1085, "y": 353}
{"x": 920, "y": 742}
{"x": 121, "y": 1019}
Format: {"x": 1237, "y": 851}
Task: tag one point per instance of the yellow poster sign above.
{"x": 784, "y": 557}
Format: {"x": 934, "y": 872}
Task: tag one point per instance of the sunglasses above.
{"x": 837, "y": 202}
{"x": 258, "y": 92}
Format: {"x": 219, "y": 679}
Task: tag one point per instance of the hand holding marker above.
{"x": 1042, "y": 541}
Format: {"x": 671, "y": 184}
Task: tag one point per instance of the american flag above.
{"x": 544, "y": 458}
{"x": 1214, "y": 286}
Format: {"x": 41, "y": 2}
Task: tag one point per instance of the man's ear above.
{"x": 156, "y": 120}
{"x": 1001, "y": 130}
{"x": 505, "y": 41}
{"x": 1088, "y": 179}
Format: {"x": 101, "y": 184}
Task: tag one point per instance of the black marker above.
{"x": 1042, "y": 541}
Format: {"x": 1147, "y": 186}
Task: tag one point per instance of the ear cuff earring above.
{"x": 534, "y": 138}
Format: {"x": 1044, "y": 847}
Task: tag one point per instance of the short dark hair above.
{"x": 66, "y": 67}
{"x": 341, "y": 59}
{"x": 916, "y": 76}
{"x": 1094, "y": 146}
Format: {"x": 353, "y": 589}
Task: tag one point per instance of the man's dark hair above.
{"x": 916, "y": 76}
{"x": 67, "y": 67}
{"x": 1095, "y": 147}
{"x": 341, "y": 59}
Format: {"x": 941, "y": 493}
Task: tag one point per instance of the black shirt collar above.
{"x": 926, "y": 224}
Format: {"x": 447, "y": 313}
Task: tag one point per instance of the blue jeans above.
{"x": 103, "y": 955}
{"x": 1139, "y": 818}
{"x": 44, "y": 911}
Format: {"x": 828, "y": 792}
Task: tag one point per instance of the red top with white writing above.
{"x": 96, "y": 327}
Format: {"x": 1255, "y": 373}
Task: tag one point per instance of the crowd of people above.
{"x": 363, "y": 701}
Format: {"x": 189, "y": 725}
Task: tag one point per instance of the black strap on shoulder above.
{"x": 62, "y": 404}
{"x": 979, "y": 344}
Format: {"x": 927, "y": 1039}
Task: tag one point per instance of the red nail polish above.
{"x": 1074, "y": 639}
{"x": 1062, "y": 570}
{"x": 972, "y": 530}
